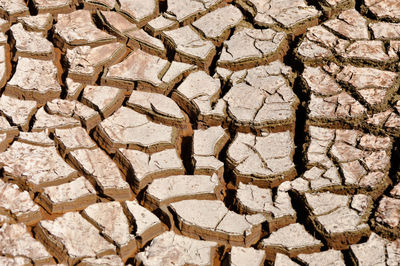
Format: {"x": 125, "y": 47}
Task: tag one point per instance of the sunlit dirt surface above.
{"x": 199, "y": 132}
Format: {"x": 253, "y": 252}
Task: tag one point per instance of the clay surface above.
{"x": 199, "y": 132}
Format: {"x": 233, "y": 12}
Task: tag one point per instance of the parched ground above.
{"x": 200, "y": 132}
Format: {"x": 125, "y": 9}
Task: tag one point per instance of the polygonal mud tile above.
{"x": 35, "y": 167}
{"x": 376, "y": 251}
{"x": 134, "y": 37}
{"x": 264, "y": 160}
{"x": 190, "y": 47}
{"x": 64, "y": 114}
{"x": 164, "y": 191}
{"x": 292, "y": 16}
{"x": 317, "y": 45}
{"x": 85, "y": 63}
{"x": 161, "y": 23}
{"x": 246, "y": 256}
{"x": 31, "y": 44}
{"x": 160, "y": 107}
{"x": 384, "y": 9}
{"x": 108, "y": 260}
{"x": 335, "y": 109}
{"x": 73, "y": 196}
{"x": 143, "y": 167}
{"x": 11, "y": 9}
{"x": 370, "y": 83}
{"x": 340, "y": 219}
{"x": 40, "y": 138}
{"x": 336, "y": 105}
{"x": 276, "y": 207}
{"x": 175, "y": 73}
{"x": 147, "y": 225}
{"x": 349, "y": 24}
{"x": 385, "y": 30}
{"x": 116, "y": 23}
{"x": 147, "y": 72}
{"x": 347, "y": 37}
{"x": 329, "y": 257}
{"x": 209, "y": 142}
{"x": 104, "y": 99}
{"x": 16, "y": 241}
{"x": 139, "y": 12}
{"x": 211, "y": 220}
{"x": 71, "y": 139}
{"x": 71, "y": 238}
{"x": 139, "y": 39}
{"x": 34, "y": 79}
{"x": 368, "y": 52}
{"x": 387, "y": 121}
{"x": 333, "y": 102}
{"x": 185, "y": 11}
{"x": 18, "y": 111}
{"x": 74, "y": 89}
{"x": 206, "y": 146}
{"x": 207, "y": 165}
{"x": 170, "y": 248}
{"x": 54, "y": 6}
{"x": 320, "y": 45}
{"x": 262, "y": 98}
{"x": 102, "y": 172}
{"x": 347, "y": 160}
{"x": 77, "y": 28}
{"x": 291, "y": 241}
{"x": 110, "y": 220}
{"x": 18, "y": 205}
{"x": 73, "y": 109}
{"x": 252, "y": 47}
{"x": 45, "y": 121}
{"x": 358, "y": 84}
{"x": 318, "y": 177}
{"x": 41, "y": 22}
{"x": 387, "y": 216}
{"x": 198, "y": 95}
{"x": 127, "y": 128}
{"x": 217, "y": 24}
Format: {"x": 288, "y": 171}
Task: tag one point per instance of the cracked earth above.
{"x": 200, "y": 132}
